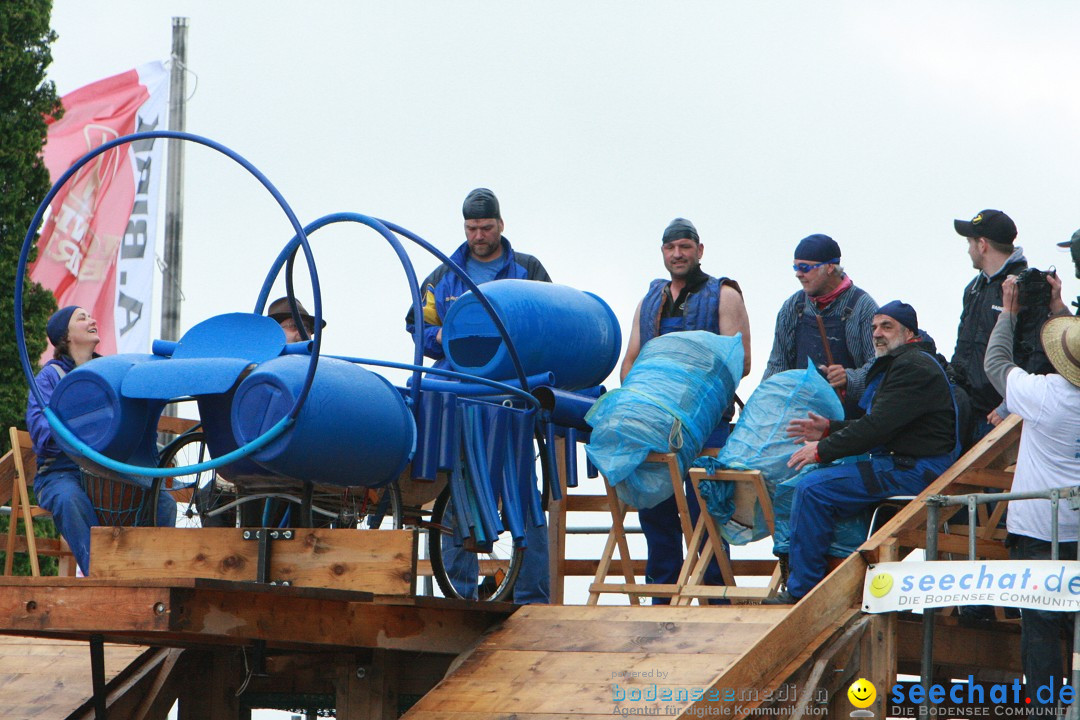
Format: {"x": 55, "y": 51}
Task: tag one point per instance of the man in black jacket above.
{"x": 990, "y": 236}
{"x": 906, "y": 439}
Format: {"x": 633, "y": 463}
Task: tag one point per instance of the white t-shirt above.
{"x": 1049, "y": 455}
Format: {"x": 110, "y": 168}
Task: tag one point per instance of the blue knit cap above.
{"x": 902, "y": 313}
{"x": 58, "y": 323}
{"x": 819, "y": 248}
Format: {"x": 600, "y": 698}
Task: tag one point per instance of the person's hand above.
{"x": 811, "y": 428}
{"x": 438, "y": 336}
{"x": 1057, "y": 305}
{"x": 803, "y": 456}
{"x": 1010, "y": 295}
{"x": 993, "y": 418}
{"x": 835, "y": 375}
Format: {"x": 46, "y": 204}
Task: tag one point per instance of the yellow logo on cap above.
{"x": 977, "y": 219}
{"x": 881, "y": 584}
{"x": 862, "y": 693}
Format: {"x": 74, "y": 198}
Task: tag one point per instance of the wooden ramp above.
{"x": 555, "y": 663}
{"x": 558, "y": 663}
{"x": 45, "y": 678}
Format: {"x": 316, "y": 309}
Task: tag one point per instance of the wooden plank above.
{"x": 381, "y": 561}
{"x": 630, "y": 668}
{"x": 630, "y": 636}
{"x": 211, "y": 611}
{"x": 987, "y": 478}
{"x": 586, "y": 503}
{"x": 54, "y": 690}
{"x": 716, "y": 615}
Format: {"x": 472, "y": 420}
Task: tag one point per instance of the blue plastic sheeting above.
{"x": 848, "y": 533}
{"x": 760, "y": 442}
{"x": 555, "y": 328}
{"x": 673, "y": 398}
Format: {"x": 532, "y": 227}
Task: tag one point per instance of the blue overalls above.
{"x": 660, "y": 523}
{"x": 808, "y": 341}
{"x": 844, "y": 489}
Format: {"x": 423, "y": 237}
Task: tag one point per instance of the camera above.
{"x": 1032, "y": 287}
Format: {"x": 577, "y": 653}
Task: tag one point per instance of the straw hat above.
{"x": 1061, "y": 340}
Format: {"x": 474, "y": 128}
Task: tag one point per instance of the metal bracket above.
{"x": 264, "y": 536}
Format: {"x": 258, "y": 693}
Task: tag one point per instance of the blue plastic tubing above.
{"x": 354, "y": 431}
{"x": 565, "y": 408}
{"x": 386, "y": 228}
{"x": 64, "y": 435}
{"x": 558, "y": 329}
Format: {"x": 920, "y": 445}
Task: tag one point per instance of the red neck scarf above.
{"x": 823, "y": 301}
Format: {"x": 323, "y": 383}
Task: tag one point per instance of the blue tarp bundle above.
{"x": 760, "y": 442}
{"x": 673, "y": 398}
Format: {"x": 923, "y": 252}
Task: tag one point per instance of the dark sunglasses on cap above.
{"x": 804, "y": 267}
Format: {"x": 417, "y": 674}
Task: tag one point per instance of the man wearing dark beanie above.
{"x": 485, "y": 255}
{"x": 907, "y": 437}
{"x": 689, "y": 300}
{"x": 827, "y": 322}
{"x": 990, "y": 237}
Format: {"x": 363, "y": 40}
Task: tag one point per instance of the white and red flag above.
{"x": 96, "y": 248}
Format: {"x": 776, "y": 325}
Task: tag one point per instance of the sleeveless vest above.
{"x": 700, "y": 311}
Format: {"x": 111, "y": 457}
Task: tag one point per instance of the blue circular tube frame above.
{"x": 384, "y": 228}
{"x": 285, "y": 257}
{"x": 55, "y": 422}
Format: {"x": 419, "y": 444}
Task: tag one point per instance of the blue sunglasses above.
{"x": 803, "y": 267}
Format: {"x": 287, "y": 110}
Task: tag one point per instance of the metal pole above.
{"x": 174, "y": 187}
{"x": 927, "y": 661}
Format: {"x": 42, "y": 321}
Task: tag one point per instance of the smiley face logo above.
{"x": 862, "y": 692}
{"x": 881, "y": 584}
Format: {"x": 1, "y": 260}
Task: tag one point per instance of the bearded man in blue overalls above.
{"x": 690, "y": 300}
{"x": 906, "y": 439}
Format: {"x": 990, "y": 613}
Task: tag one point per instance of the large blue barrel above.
{"x": 554, "y": 328}
{"x": 89, "y": 402}
{"x": 354, "y": 428}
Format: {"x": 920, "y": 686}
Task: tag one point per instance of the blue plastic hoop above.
{"x": 55, "y": 422}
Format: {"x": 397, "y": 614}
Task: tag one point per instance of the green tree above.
{"x": 26, "y": 97}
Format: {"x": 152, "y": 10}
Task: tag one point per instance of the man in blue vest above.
{"x": 907, "y": 437}
{"x": 485, "y": 255}
{"x": 689, "y": 300}
{"x": 828, "y": 305}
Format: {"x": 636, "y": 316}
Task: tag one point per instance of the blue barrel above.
{"x": 354, "y": 428}
{"x": 89, "y": 402}
{"x": 554, "y": 328}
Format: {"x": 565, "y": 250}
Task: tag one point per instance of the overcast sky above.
{"x": 596, "y": 123}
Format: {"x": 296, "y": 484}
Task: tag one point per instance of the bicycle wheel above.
{"x": 206, "y": 490}
{"x": 490, "y": 574}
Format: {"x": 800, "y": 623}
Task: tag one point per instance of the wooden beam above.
{"x": 381, "y": 562}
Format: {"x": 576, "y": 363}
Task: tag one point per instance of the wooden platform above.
{"x": 47, "y": 679}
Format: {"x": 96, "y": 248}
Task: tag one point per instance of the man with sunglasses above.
{"x": 827, "y": 322}
{"x": 689, "y": 300}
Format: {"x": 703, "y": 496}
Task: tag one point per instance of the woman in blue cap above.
{"x": 73, "y": 333}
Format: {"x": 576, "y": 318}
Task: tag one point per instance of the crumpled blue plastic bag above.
{"x": 760, "y": 442}
{"x": 671, "y": 401}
